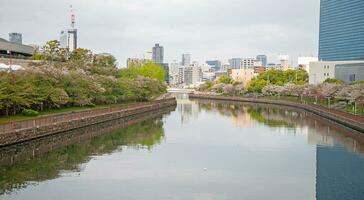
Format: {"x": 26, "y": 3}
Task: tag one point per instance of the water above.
{"x": 202, "y": 150}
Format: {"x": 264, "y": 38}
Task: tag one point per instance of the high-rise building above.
{"x": 263, "y": 59}
{"x": 158, "y": 54}
{"x": 16, "y": 38}
{"x": 186, "y": 59}
{"x": 215, "y": 64}
{"x": 68, "y": 37}
{"x": 235, "y": 63}
{"x": 341, "y": 30}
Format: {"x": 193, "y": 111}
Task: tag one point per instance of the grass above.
{"x": 20, "y": 117}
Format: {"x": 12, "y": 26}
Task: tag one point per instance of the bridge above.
{"x": 180, "y": 90}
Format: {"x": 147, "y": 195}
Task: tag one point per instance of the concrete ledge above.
{"x": 42, "y": 131}
{"x": 346, "y": 121}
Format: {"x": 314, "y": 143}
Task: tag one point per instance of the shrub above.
{"x": 30, "y": 113}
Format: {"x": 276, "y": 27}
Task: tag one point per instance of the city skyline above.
{"x": 130, "y": 28}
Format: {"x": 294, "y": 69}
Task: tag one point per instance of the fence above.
{"x": 59, "y": 118}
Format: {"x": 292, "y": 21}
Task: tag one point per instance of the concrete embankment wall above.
{"x": 342, "y": 120}
{"x": 22, "y": 135}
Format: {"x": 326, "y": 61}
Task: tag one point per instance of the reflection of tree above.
{"x": 48, "y": 166}
{"x": 269, "y": 117}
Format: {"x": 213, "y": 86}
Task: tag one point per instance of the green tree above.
{"x": 225, "y": 80}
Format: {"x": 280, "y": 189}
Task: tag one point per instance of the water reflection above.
{"x": 203, "y": 150}
{"x": 339, "y": 172}
{"x": 46, "y": 158}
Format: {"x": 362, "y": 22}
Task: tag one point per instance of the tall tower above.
{"x": 69, "y": 36}
{"x": 158, "y": 54}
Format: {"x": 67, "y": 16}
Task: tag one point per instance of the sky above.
{"x": 207, "y": 29}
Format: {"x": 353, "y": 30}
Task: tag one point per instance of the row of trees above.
{"x": 333, "y": 91}
{"x": 78, "y": 78}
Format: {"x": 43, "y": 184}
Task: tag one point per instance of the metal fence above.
{"x": 59, "y": 118}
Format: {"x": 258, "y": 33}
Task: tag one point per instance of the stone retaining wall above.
{"x": 37, "y": 132}
{"x": 346, "y": 121}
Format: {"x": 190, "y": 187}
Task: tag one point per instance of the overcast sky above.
{"x": 208, "y": 29}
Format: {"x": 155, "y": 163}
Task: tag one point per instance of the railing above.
{"x": 59, "y": 118}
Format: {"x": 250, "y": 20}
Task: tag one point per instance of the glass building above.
{"x": 158, "y": 54}
{"x": 341, "y": 30}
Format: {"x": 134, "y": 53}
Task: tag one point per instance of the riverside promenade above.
{"x": 345, "y": 119}
{"x": 21, "y": 131}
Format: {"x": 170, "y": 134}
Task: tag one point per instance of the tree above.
{"x": 225, "y": 80}
{"x": 334, "y": 81}
{"x": 150, "y": 70}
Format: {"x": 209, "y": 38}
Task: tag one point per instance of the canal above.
{"x": 203, "y": 150}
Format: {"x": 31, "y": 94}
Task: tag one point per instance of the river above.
{"x": 203, "y": 150}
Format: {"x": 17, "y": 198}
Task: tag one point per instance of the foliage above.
{"x": 76, "y": 78}
{"x": 150, "y": 70}
{"x": 277, "y": 77}
{"x": 225, "y": 80}
{"x": 334, "y": 81}
{"x": 30, "y": 113}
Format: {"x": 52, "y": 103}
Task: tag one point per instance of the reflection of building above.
{"x": 341, "y": 30}
{"x": 339, "y": 174}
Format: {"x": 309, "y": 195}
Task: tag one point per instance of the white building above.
{"x": 284, "y": 62}
{"x": 304, "y": 62}
{"x": 248, "y": 62}
{"x": 192, "y": 74}
{"x": 68, "y": 39}
{"x": 347, "y": 71}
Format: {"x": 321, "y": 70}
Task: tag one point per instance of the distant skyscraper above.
{"x": 16, "y": 38}
{"x": 158, "y": 54}
{"x": 186, "y": 59}
{"x": 235, "y": 63}
{"x": 215, "y": 64}
{"x": 341, "y": 30}
{"x": 263, "y": 59}
{"x": 69, "y": 36}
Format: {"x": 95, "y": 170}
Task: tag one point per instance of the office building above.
{"x": 235, "y": 63}
{"x": 248, "y": 62}
{"x": 347, "y": 71}
{"x": 341, "y": 30}
{"x": 16, "y": 38}
{"x": 215, "y": 64}
{"x": 186, "y": 59}
{"x": 262, "y": 59}
{"x": 14, "y": 49}
{"x": 68, "y": 37}
{"x": 191, "y": 74}
{"x": 158, "y": 54}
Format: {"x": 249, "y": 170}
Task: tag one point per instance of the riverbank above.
{"x": 31, "y": 129}
{"x": 341, "y": 118}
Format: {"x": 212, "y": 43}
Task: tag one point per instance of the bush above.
{"x": 30, "y": 113}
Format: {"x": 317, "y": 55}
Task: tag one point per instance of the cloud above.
{"x": 208, "y": 29}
